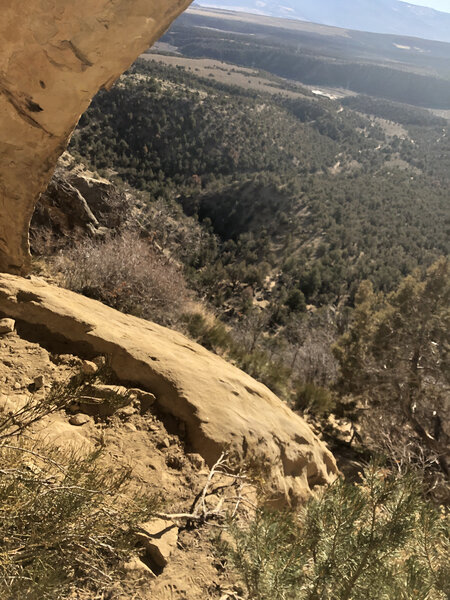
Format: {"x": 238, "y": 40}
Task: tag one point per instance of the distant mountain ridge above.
{"x": 378, "y": 16}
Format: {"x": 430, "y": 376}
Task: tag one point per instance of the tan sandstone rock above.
{"x": 54, "y": 56}
{"x": 160, "y": 538}
{"x": 57, "y": 432}
{"x": 221, "y": 406}
{"x": 38, "y": 382}
{"x": 88, "y": 367}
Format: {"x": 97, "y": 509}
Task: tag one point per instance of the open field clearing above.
{"x": 226, "y": 73}
{"x": 290, "y": 24}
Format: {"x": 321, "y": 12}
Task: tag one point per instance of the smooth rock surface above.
{"x": 54, "y": 56}
{"x": 220, "y": 406}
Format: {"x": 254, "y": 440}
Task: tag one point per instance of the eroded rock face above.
{"x": 219, "y": 406}
{"x": 54, "y": 56}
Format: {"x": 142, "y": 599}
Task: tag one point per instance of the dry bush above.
{"x": 309, "y": 351}
{"x": 126, "y": 273}
{"x": 66, "y": 524}
{"x": 14, "y": 422}
{"x": 389, "y": 434}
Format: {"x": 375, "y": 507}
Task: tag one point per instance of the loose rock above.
{"x": 197, "y": 461}
{"x": 38, "y": 382}
{"x": 7, "y": 326}
{"x": 100, "y": 361}
{"x": 101, "y": 390}
{"x": 104, "y": 400}
{"x": 126, "y": 411}
{"x": 88, "y": 367}
{"x": 160, "y": 538}
{"x": 79, "y": 419}
{"x": 145, "y": 398}
{"x": 136, "y": 568}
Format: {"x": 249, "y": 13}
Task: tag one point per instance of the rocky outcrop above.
{"x": 55, "y": 55}
{"x": 77, "y": 204}
{"x": 63, "y": 210}
{"x": 218, "y": 405}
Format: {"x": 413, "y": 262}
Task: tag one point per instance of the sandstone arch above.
{"x": 54, "y": 56}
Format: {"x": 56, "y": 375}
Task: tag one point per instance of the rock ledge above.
{"x": 220, "y": 406}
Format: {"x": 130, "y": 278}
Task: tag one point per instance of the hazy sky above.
{"x": 437, "y": 4}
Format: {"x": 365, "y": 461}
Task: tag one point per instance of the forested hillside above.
{"x": 308, "y": 196}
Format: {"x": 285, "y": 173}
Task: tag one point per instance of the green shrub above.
{"x": 196, "y": 325}
{"x": 377, "y": 540}
{"x": 296, "y": 301}
{"x": 216, "y": 337}
{"x": 213, "y": 337}
{"x": 313, "y": 398}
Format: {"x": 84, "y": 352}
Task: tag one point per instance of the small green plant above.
{"x": 377, "y": 540}
{"x": 212, "y": 336}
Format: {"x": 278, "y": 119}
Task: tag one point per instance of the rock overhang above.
{"x": 54, "y": 57}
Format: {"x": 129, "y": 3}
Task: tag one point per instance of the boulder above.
{"x": 76, "y": 205}
{"x": 88, "y": 367}
{"x": 63, "y": 209}
{"x": 54, "y": 57}
{"x": 221, "y": 407}
{"x": 97, "y": 191}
